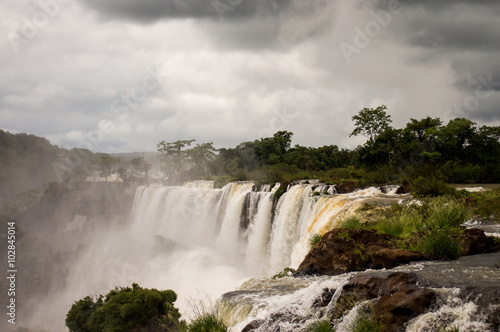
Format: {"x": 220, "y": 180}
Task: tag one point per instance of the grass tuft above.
{"x": 440, "y": 243}
{"x": 321, "y": 326}
{"x": 352, "y": 223}
{"x": 314, "y": 240}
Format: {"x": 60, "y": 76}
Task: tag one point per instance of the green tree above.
{"x": 271, "y": 150}
{"x": 122, "y": 309}
{"x": 371, "y": 122}
{"x": 104, "y": 163}
{"x": 420, "y": 128}
{"x": 201, "y": 157}
{"x": 174, "y": 159}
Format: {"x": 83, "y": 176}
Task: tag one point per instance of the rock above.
{"x": 392, "y": 311}
{"x": 349, "y": 186}
{"x": 253, "y": 325}
{"x": 342, "y": 250}
{"x": 399, "y": 298}
{"x": 474, "y": 242}
{"x": 404, "y": 189}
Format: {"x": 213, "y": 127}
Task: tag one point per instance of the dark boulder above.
{"x": 474, "y": 242}
{"x": 399, "y": 297}
{"x": 342, "y": 250}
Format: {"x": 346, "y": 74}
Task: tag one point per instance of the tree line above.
{"x": 457, "y": 152}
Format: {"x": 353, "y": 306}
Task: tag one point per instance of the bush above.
{"x": 121, "y": 310}
{"x": 363, "y": 323}
{"x": 430, "y": 187}
{"x": 440, "y": 243}
{"x": 320, "y": 326}
{"x": 446, "y": 213}
{"x": 287, "y": 272}
{"x": 314, "y": 240}
{"x": 486, "y": 204}
{"x": 207, "y": 322}
{"x": 213, "y": 316}
{"x": 352, "y": 223}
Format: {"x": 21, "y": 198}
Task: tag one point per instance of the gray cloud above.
{"x": 153, "y": 10}
{"x": 257, "y": 69}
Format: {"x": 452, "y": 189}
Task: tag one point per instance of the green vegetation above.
{"x": 431, "y": 226}
{"x": 322, "y": 325}
{"x": 424, "y": 154}
{"x": 122, "y": 309}
{"x": 287, "y": 272}
{"x": 314, "y": 240}
{"x": 364, "y": 323}
{"x": 485, "y": 204}
{"x": 351, "y": 222}
{"x": 440, "y": 243}
{"x": 344, "y": 235}
{"x": 210, "y": 317}
{"x": 429, "y": 187}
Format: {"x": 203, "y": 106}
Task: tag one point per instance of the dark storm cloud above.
{"x": 475, "y": 36}
{"x": 446, "y": 4}
{"x": 461, "y": 34}
{"x": 153, "y": 10}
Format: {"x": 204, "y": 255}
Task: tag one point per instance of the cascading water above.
{"x": 201, "y": 241}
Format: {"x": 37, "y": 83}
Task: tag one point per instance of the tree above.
{"x": 371, "y": 122}
{"x": 271, "y": 150}
{"x": 419, "y": 128}
{"x": 123, "y": 309}
{"x": 200, "y": 157}
{"x": 174, "y": 158}
{"x": 104, "y": 164}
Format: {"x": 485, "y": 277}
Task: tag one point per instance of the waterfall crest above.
{"x": 240, "y": 224}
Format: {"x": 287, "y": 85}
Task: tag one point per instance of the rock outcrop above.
{"x": 397, "y": 298}
{"x": 342, "y": 250}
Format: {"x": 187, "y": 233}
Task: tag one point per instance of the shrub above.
{"x": 314, "y": 240}
{"x": 486, "y": 204}
{"x": 352, "y": 223}
{"x": 287, "y": 272}
{"x": 321, "y": 326}
{"x": 364, "y": 323}
{"x": 212, "y": 316}
{"x": 121, "y": 310}
{"x": 440, "y": 243}
{"x": 207, "y": 322}
{"x": 446, "y": 213}
{"x": 430, "y": 187}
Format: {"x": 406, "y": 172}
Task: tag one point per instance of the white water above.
{"x": 198, "y": 240}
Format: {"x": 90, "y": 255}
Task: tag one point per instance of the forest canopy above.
{"x": 456, "y": 152}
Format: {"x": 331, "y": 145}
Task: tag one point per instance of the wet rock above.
{"x": 342, "y": 250}
{"x": 349, "y": 186}
{"x": 253, "y": 325}
{"x": 404, "y": 189}
{"x": 399, "y": 297}
{"x": 474, "y": 242}
{"x": 394, "y": 310}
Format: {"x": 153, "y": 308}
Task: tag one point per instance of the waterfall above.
{"x": 202, "y": 241}
{"x": 238, "y": 223}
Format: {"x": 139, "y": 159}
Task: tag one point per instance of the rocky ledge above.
{"x": 396, "y": 298}
{"x": 343, "y": 250}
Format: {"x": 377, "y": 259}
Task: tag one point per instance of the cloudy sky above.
{"x": 122, "y": 75}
